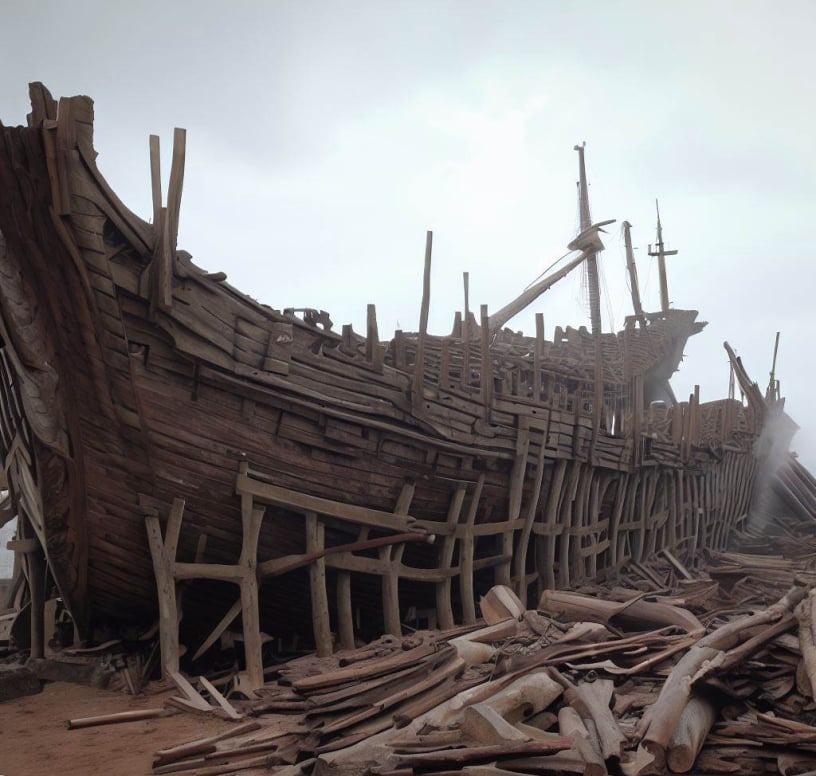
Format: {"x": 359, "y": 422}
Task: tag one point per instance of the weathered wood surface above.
{"x": 560, "y": 694}
{"x": 128, "y": 370}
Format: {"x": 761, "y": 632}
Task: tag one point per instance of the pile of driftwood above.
{"x": 670, "y": 668}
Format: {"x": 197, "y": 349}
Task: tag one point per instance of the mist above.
{"x": 324, "y": 139}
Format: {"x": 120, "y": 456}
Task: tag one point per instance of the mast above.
{"x": 632, "y": 267}
{"x": 592, "y": 259}
{"x": 772, "y": 393}
{"x": 661, "y": 254}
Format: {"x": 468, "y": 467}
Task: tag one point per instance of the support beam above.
{"x": 315, "y": 542}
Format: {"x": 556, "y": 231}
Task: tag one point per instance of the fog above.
{"x": 325, "y": 138}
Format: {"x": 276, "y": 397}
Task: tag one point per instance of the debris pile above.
{"x": 710, "y": 669}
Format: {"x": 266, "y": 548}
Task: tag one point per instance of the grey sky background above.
{"x": 325, "y": 138}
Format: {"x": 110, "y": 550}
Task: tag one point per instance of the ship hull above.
{"x": 133, "y": 380}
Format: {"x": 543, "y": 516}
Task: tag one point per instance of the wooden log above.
{"x": 359, "y": 672}
{"x": 202, "y": 745}
{"x": 571, "y": 726}
{"x": 490, "y": 721}
{"x": 115, "y": 718}
{"x": 692, "y": 728}
{"x": 240, "y": 764}
{"x": 660, "y": 720}
{"x": 592, "y": 702}
{"x": 481, "y": 753}
{"x": 576, "y": 607}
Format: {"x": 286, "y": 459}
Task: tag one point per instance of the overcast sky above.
{"x": 325, "y": 138}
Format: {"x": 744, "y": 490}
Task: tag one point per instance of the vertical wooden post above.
{"x": 315, "y": 542}
{"x": 348, "y": 343}
{"x": 373, "y": 349}
{"x": 444, "y": 608}
{"x": 400, "y": 361}
{"x": 568, "y": 514}
{"x": 390, "y": 593}
{"x": 36, "y": 588}
{"x": 515, "y": 494}
{"x": 598, "y": 408}
{"x": 163, "y": 554}
{"x": 467, "y": 551}
{"x": 465, "y": 377}
{"x": 537, "y": 355}
{"x": 391, "y": 557}
{"x": 546, "y": 556}
{"x": 419, "y": 367}
{"x": 345, "y": 615}
{"x": 529, "y": 518}
{"x": 444, "y": 365}
{"x": 486, "y": 381}
{"x": 251, "y": 518}
{"x": 637, "y": 419}
{"x": 155, "y": 177}
{"x": 175, "y": 185}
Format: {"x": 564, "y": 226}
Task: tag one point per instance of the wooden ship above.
{"x": 158, "y": 428}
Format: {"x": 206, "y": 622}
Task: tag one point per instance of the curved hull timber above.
{"x": 132, "y": 379}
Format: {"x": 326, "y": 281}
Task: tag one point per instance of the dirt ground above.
{"x": 34, "y": 740}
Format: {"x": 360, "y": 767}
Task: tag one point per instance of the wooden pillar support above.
{"x": 163, "y": 552}
{"x": 315, "y": 542}
{"x": 391, "y": 558}
{"x": 345, "y": 613}
{"x": 467, "y": 551}
{"x": 444, "y": 608}
{"x": 529, "y": 517}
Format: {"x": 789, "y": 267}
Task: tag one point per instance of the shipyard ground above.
{"x": 36, "y": 741}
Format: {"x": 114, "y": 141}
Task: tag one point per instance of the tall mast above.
{"x": 661, "y": 254}
{"x": 632, "y": 267}
{"x": 592, "y": 258}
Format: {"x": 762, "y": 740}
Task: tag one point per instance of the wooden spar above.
{"x": 486, "y": 380}
{"x": 633, "y": 274}
{"x": 373, "y": 350}
{"x": 419, "y": 366}
{"x": 772, "y": 393}
{"x": 465, "y": 377}
{"x": 175, "y": 185}
{"x": 591, "y": 259}
{"x": 525, "y": 299}
{"x": 155, "y": 177}
{"x": 661, "y": 254}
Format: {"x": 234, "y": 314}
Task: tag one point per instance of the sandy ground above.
{"x": 34, "y": 740}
